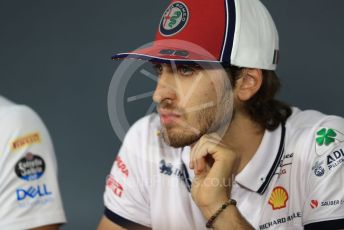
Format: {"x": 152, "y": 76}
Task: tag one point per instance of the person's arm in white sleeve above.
{"x": 29, "y": 191}
{"x": 126, "y": 197}
{"x": 324, "y": 203}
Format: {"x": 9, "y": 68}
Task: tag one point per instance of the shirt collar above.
{"x": 259, "y": 171}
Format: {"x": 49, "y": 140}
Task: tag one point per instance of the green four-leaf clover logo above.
{"x": 325, "y": 136}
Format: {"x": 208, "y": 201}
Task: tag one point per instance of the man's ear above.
{"x": 249, "y": 83}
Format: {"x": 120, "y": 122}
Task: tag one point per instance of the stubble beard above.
{"x": 208, "y": 120}
{"x": 181, "y": 136}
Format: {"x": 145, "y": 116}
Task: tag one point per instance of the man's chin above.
{"x": 178, "y": 140}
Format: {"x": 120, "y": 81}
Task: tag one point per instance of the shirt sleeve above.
{"x": 324, "y": 202}
{"x": 29, "y": 191}
{"x": 126, "y": 192}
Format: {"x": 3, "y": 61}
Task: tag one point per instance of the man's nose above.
{"x": 165, "y": 88}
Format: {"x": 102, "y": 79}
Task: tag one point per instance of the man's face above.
{"x": 191, "y": 102}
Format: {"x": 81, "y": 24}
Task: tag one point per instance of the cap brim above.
{"x": 178, "y": 52}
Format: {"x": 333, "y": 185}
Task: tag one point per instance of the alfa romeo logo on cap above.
{"x": 174, "y": 19}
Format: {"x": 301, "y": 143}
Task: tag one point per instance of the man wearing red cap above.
{"x": 227, "y": 154}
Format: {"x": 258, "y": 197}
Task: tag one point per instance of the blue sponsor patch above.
{"x": 31, "y": 167}
{"x": 32, "y": 192}
{"x": 318, "y": 169}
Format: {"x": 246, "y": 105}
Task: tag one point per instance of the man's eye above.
{"x": 158, "y": 69}
{"x": 185, "y": 70}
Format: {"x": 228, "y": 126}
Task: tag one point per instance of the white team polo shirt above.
{"x": 29, "y": 192}
{"x": 294, "y": 181}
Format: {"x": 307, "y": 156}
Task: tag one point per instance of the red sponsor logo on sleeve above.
{"x": 121, "y": 165}
{"x": 114, "y": 186}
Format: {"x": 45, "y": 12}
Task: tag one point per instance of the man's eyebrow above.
{"x": 196, "y": 66}
{"x": 156, "y": 65}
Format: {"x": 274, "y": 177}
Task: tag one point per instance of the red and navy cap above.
{"x": 229, "y": 32}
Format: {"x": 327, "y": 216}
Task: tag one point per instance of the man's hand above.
{"x": 213, "y": 164}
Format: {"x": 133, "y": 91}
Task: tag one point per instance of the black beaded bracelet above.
{"x": 217, "y": 213}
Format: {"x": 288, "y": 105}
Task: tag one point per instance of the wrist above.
{"x": 221, "y": 213}
{"x": 210, "y": 209}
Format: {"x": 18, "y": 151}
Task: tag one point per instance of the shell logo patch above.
{"x": 278, "y": 198}
{"x": 174, "y": 19}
